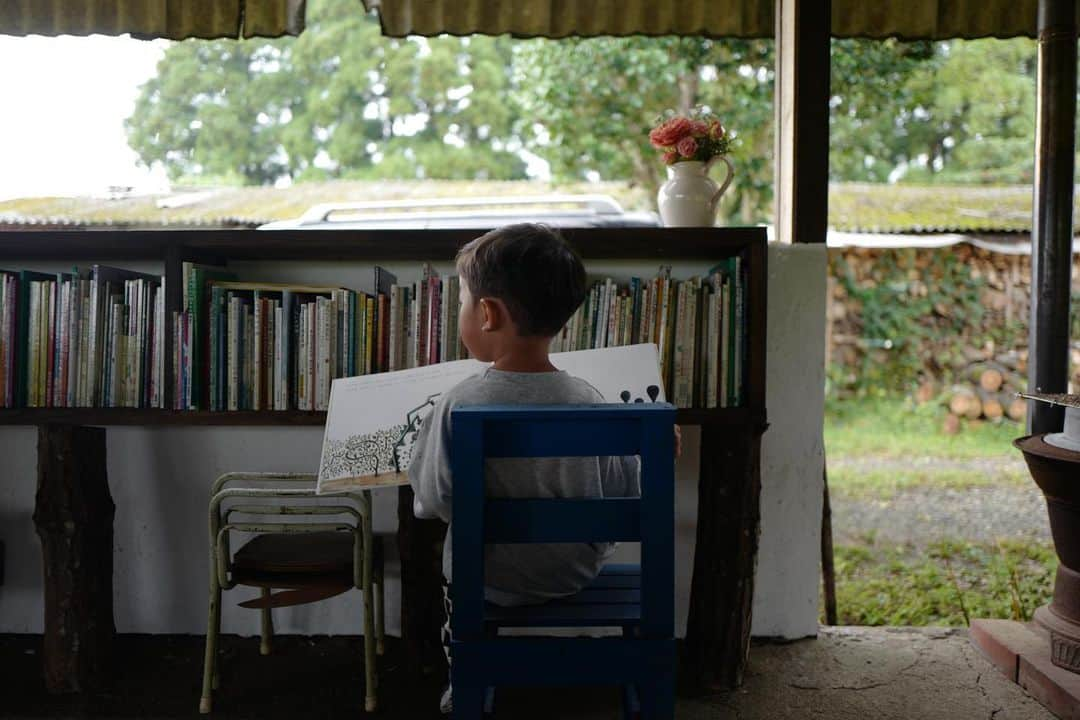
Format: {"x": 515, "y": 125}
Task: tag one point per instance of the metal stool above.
{"x": 307, "y": 560}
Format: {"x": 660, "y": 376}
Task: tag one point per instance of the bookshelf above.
{"x": 729, "y": 482}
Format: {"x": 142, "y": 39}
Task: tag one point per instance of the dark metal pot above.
{"x": 1056, "y": 471}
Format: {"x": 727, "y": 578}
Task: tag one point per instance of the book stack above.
{"x": 698, "y": 325}
{"x": 91, "y": 338}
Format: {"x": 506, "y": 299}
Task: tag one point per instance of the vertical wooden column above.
{"x": 722, "y": 588}
{"x": 74, "y": 519}
{"x": 802, "y": 120}
{"x": 1052, "y": 223}
{"x": 419, "y": 549}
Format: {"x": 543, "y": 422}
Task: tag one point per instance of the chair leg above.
{"x": 631, "y": 708}
{"x": 267, "y": 625}
{"x": 213, "y": 628}
{"x": 468, "y": 702}
{"x": 380, "y": 600}
{"x": 658, "y": 698}
{"x": 370, "y": 695}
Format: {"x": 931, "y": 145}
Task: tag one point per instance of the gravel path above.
{"x": 924, "y": 513}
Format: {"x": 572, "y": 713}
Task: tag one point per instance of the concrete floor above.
{"x": 879, "y": 673}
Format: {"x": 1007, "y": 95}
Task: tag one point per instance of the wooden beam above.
{"x": 1051, "y": 236}
{"x": 802, "y": 120}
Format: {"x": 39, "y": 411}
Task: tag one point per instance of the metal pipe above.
{"x": 1051, "y": 237}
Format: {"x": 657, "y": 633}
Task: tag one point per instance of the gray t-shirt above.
{"x": 517, "y": 573}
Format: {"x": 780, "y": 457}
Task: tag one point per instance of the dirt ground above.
{"x": 846, "y": 673}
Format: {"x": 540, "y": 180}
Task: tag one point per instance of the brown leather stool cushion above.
{"x": 317, "y": 553}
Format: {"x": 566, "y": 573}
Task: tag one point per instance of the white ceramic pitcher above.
{"x": 689, "y": 197}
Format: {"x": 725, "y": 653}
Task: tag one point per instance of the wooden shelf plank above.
{"x": 592, "y": 243}
{"x": 140, "y": 416}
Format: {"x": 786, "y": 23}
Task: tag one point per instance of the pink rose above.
{"x": 700, "y": 128}
{"x": 716, "y": 130}
{"x": 669, "y": 132}
{"x": 670, "y": 157}
{"x": 687, "y": 147}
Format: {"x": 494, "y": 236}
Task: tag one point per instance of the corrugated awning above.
{"x": 172, "y": 19}
{"x": 909, "y": 19}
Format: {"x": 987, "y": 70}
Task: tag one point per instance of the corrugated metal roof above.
{"x": 154, "y": 18}
{"x": 922, "y": 19}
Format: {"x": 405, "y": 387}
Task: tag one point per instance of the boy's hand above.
{"x": 678, "y": 442}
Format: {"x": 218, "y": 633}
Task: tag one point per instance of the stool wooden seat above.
{"x": 295, "y": 561}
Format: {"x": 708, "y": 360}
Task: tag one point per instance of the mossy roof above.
{"x": 853, "y": 207}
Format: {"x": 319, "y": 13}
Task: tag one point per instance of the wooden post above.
{"x": 802, "y": 120}
{"x": 828, "y": 564}
{"x": 74, "y": 519}
{"x": 1051, "y": 235}
{"x": 419, "y": 549}
{"x": 722, "y": 589}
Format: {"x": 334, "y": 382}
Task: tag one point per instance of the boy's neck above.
{"x": 525, "y": 355}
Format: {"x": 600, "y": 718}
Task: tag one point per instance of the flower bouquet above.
{"x": 691, "y": 143}
{"x": 698, "y": 135}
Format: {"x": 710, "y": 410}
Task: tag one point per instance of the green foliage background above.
{"x": 341, "y": 101}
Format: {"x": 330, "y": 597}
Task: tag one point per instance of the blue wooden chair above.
{"x": 639, "y": 599}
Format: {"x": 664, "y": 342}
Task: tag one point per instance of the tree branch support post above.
{"x": 722, "y": 588}
{"x": 73, "y": 515}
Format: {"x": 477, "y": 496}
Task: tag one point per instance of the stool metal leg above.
{"x": 213, "y": 628}
{"x": 267, "y": 625}
{"x": 380, "y": 599}
{"x": 370, "y": 696}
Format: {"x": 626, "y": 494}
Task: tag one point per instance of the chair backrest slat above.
{"x": 569, "y": 437}
{"x": 561, "y": 521}
{"x": 643, "y": 429}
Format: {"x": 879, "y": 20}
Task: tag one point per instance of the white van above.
{"x": 474, "y": 213}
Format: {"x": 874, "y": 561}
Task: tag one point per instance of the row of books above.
{"x": 698, "y": 326}
{"x": 88, "y": 338}
{"x": 268, "y": 346}
{"x": 96, "y": 338}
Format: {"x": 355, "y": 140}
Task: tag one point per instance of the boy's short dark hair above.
{"x": 532, "y": 270}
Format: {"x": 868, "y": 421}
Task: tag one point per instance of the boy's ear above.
{"x": 494, "y": 313}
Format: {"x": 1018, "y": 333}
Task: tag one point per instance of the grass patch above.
{"x": 853, "y": 480}
{"x": 947, "y": 583}
{"x": 898, "y": 428}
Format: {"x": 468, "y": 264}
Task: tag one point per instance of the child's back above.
{"x": 516, "y": 574}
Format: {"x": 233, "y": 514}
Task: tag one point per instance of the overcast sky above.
{"x": 65, "y": 100}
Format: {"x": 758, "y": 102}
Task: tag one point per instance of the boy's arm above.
{"x": 621, "y": 476}
{"x": 429, "y": 470}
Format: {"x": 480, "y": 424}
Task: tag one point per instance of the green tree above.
{"x": 980, "y": 113}
{"x": 959, "y": 111}
{"x": 873, "y": 106}
{"x": 337, "y": 101}
{"x": 588, "y": 105}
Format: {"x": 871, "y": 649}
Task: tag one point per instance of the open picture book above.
{"x": 374, "y": 420}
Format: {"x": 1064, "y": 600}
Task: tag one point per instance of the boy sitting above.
{"x": 519, "y": 285}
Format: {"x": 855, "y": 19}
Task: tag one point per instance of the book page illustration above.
{"x": 373, "y": 420}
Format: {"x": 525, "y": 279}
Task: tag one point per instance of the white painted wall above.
{"x": 160, "y": 477}
{"x": 792, "y": 454}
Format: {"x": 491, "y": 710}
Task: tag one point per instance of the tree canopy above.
{"x": 341, "y": 101}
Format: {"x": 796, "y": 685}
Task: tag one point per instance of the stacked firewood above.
{"x": 985, "y": 391}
